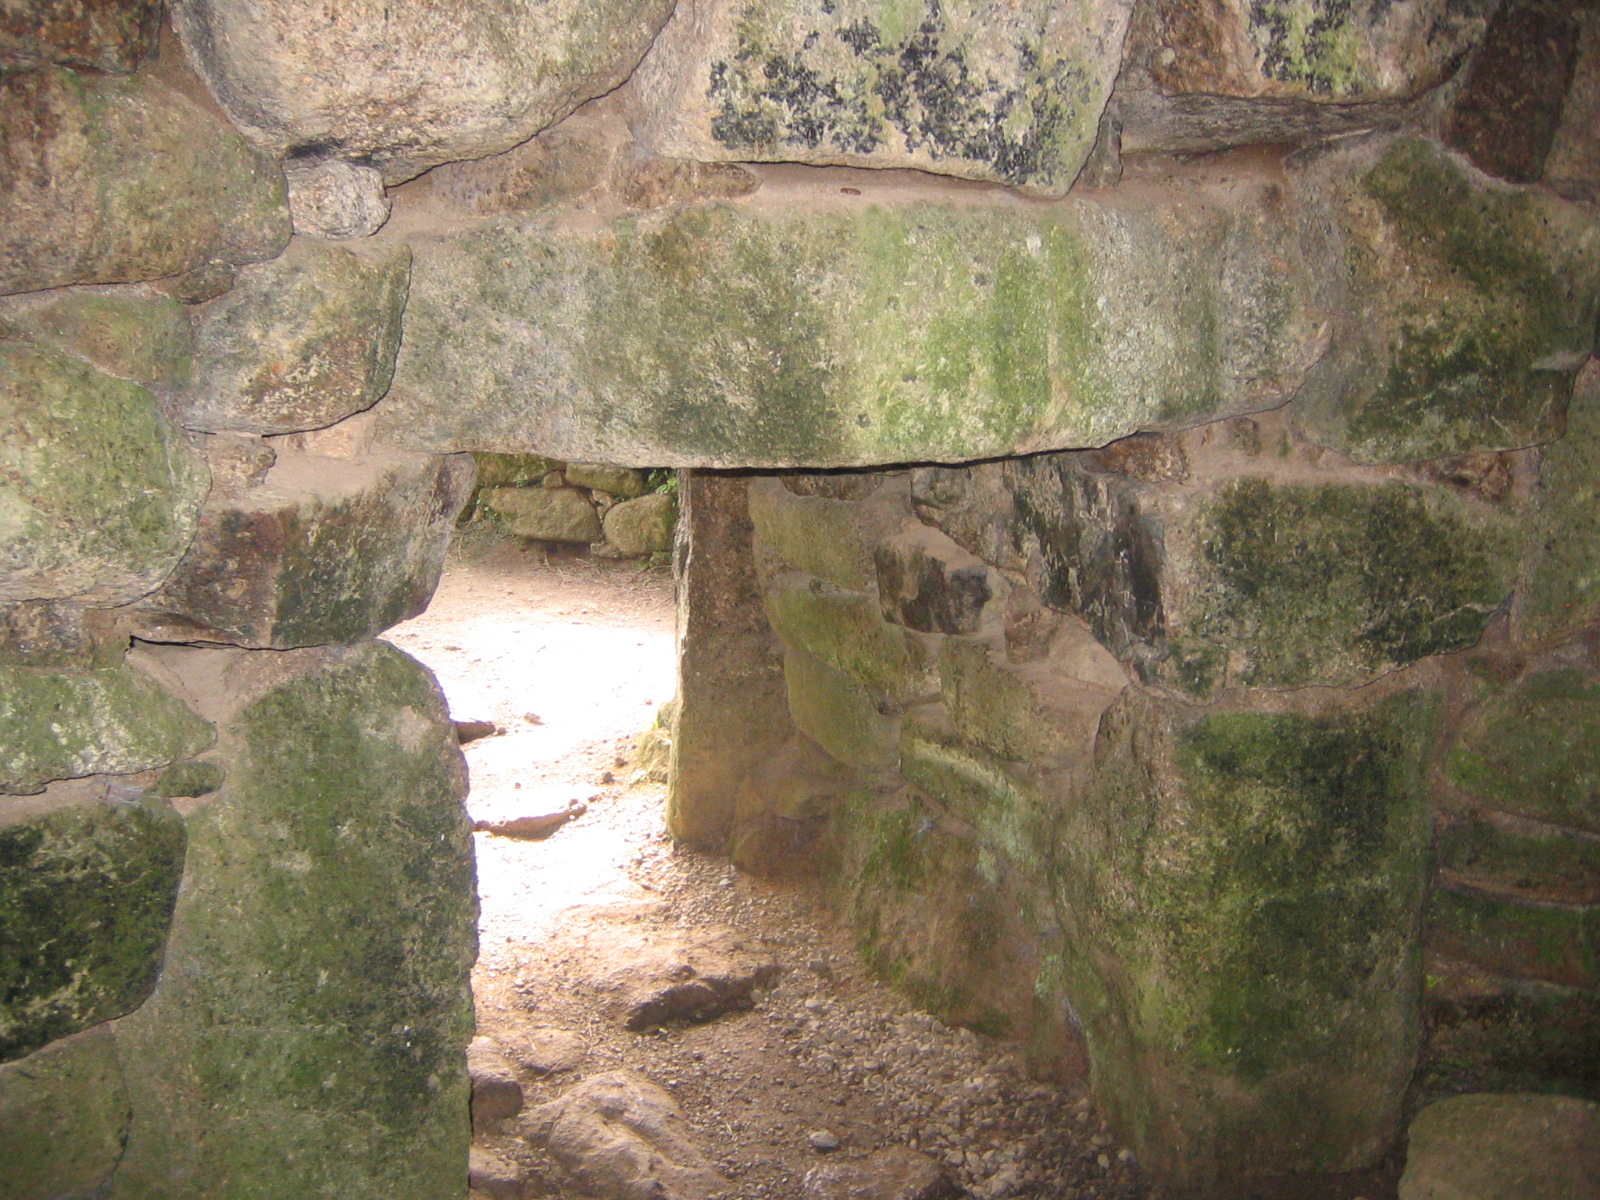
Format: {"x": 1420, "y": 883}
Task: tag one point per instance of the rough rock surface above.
{"x": 619, "y": 1135}
{"x": 548, "y": 514}
{"x": 88, "y": 892}
{"x": 111, "y": 180}
{"x": 897, "y": 1173}
{"x": 624, "y": 483}
{"x": 643, "y": 525}
{"x": 1477, "y": 305}
{"x": 1573, "y": 165}
{"x": 1480, "y": 1147}
{"x": 107, "y": 35}
{"x": 691, "y": 978}
{"x": 135, "y": 332}
{"x": 99, "y": 490}
{"x": 300, "y": 342}
{"x": 63, "y": 1117}
{"x": 406, "y": 88}
{"x": 336, "y": 199}
{"x": 496, "y": 1094}
{"x": 973, "y": 88}
{"x": 66, "y": 725}
{"x": 322, "y": 550}
{"x": 1318, "y": 50}
{"x": 1176, "y": 1027}
{"x": 309, "y": 1030}
{"x": 836, "y": 332}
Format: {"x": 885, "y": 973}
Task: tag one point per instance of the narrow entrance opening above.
{"x": 632, "y": 991}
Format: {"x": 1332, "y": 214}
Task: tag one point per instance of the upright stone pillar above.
{"x": 732, "y": 711}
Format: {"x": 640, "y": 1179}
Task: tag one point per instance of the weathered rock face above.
{"x": 99, "y": 491}
{"x": 408, "y": 88}
{"x": 135, "y": 333}
{"x": 88, "y": 893}
{"x": 300, "y": 342}
{"x": 548, "y": 514}
{"x": 63, "y": 1117}
{"x": 324, "y": 934}
{"x": 108, "y": 180}
{"x": 618, "y": 1134}
{"x": 641, "y": 526}
{"x": 837, "y": 333}
{"x": 1561, "y": 582}
{"x": 1222, "y": 872}
{"x": 106, "y": 35}
{"x": 322, "y": 550}
{"x": 977, "y": 89}
{"x": 1483, "y": 1147}
{"x": 1477, "y": 303}
{"x": 1317, "y": 50}
{"x": 65, "y": 725}
{"x": 1572, "y": 166}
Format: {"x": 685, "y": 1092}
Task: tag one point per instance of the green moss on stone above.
{"x": 1561, "y": 590}
{"x": 815, "y": 534}
{"x": 99, "y": 491}
{"x": 1538, "y": 862}
{"x": 837, "y": 336}
{"x": 1556, "y": 943}
{"x": 1534, "y": 749}
{"x": 847, "y": 631}
{"x": 997, "y": 708}
{"x": 137, "y": 334}
{"x": 190, "y": 779}
{"x": 1475, "y": 347}
{"x": 87, "y": 895}
{"x": 63, "y": 1118}
{"x": 308, "y": 1034}
{"x": 1333, "y": 583}
{"x": 1240, "y": 893}
{"x": 839, "y": 714}
{"x": 55, "y": 725}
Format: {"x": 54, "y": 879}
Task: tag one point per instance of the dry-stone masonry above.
{"x": 1138, "y": 552}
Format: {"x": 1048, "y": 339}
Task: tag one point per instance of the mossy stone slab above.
{"x": 114, "y": 180}
{"x": 1555, "y": 943}
{"x": 1333, "y": 583}
{"x": 830, "y": 539}
{"x": 1559, "y": 593}
{"x": 840, "y": 714}
{"x": 1312, "y": 50}
{"x": 323, "y": 550}
{"x": 1472, "y": 305}
{"x": 65, "y": 725}
{"x": 846, "y": 630}
{"x": 99, "y": 490}
{"x": 308, "y": 1035}
{"x": 1534, "y": 749}
{"x": 1009, "y": 92}
{"x": 1521, "y": 859}
{"x": 1240, "y": 894}
{"x": 516, "y": 470}
{"x": 1488, "y": 1147}
{"x": 88, "y": 894}
{"x": 302, "y": 341}
{"x": 63, "y": 1118}
{"x": 810, "y": 330}
{"x": 134, "y": 333}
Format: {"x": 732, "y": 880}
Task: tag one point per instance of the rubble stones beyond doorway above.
{"x": 1220, "y": 714}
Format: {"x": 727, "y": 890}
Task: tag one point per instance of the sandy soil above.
{"x": 570, "y": 656}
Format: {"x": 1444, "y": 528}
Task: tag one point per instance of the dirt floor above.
{"x": 571, "y": 657}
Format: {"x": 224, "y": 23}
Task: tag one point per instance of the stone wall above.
{"x": 1246, "y": 758}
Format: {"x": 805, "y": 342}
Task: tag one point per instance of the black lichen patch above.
{"x": 87, "y": 896}
{"x": 851, "y": 93}
{"x": 1303, "y": 52}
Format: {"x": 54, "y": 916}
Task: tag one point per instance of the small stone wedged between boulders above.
{"x": 619, "y": 1136}
{"x": 1514, "y": 1147}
